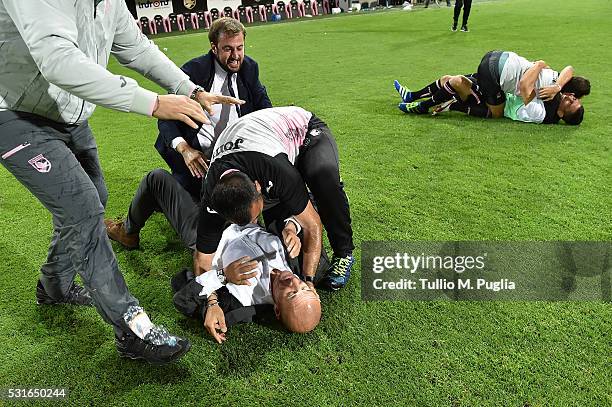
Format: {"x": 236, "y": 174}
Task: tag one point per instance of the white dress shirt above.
{"x": 253, "y": 241}
{"x": 206, "y": 134}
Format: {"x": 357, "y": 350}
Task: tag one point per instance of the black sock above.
{"x": 445, "y": 93}
{"x": 427, "y": 91}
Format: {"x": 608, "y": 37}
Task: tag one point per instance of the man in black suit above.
{"x": 224, "y": 70}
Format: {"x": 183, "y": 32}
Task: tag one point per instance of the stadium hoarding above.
{"x": 150, "y": 8}
{"x": 221, "y": 4}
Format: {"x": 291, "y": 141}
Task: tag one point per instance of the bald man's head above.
{"x": 295, "y": 304}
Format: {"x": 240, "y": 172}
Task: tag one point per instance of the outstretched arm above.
{"x": 564, "y": 77}
{"x": 133, "y": 50}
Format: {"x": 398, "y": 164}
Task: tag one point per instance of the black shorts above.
{"x": 488, "y": 78}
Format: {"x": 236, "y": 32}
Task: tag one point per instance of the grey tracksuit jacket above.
{"x": 53, "y": 57}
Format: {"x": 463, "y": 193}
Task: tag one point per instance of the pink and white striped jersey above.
{"x": 270, "y": 131}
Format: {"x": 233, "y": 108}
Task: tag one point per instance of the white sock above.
{"x": 138, "y": 321}
{"x": 141, "y": 325}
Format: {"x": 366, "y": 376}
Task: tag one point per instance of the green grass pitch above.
{"x": 408, "y": 178}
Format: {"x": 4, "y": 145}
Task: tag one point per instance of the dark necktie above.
{"x": 226, "y": 90}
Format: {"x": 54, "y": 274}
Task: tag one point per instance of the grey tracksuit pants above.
{"x": 59, "y": 165}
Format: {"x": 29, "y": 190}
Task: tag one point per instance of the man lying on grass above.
{"x": 246, "y": 287}
{"x": 212, "y": 296}
{"x": 463, "y": 93}
{"x": 499, "y": 74}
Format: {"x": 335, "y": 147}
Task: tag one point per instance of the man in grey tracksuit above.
{"x": 53, "y": 57}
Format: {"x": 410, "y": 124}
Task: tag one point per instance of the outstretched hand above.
{"x": 207, "y": 100}
{"x": 179, "y": 107}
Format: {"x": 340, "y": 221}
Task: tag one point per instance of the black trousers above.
{"x": 467, "y": 6}
{"x": 318, "y": 164}
{"x": 161, "y": 192}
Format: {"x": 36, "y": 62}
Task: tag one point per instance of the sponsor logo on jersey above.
{"x": 229, "y": 146}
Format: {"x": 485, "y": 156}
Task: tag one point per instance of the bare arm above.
{"x": 549, "y": 92}
{"x": 311, "y": 247}
{"x": 528, "y": 81}
{"x": 238, "y": 272}
{"x": 202, "y": 262}
{"x": 497, "y": 111}
{"x": 566, "y": 74}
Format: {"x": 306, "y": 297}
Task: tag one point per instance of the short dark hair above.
{"x": 578, "y": 85}
{"x": 574, "y": 118}
{"x": 225, "y": 25}
{"x": 232, "y": 197}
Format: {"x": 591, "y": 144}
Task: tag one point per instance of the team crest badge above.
{"x": 189, "y": 4}
{"x": 40, "y": 163}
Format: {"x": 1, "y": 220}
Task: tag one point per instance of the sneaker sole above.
{"x": 175, "y": 357}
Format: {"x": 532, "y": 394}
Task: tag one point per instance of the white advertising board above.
{"x": 151, "y": 8}
{"x": 221, "y": 4}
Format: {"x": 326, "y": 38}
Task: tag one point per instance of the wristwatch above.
{"x": 195, "y": 92}
{"x": 309, "y": 279}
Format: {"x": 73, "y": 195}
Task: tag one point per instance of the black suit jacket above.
{"x": 201, "y": 71}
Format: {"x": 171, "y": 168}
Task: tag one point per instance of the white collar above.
{"x": 220, "y": 71}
